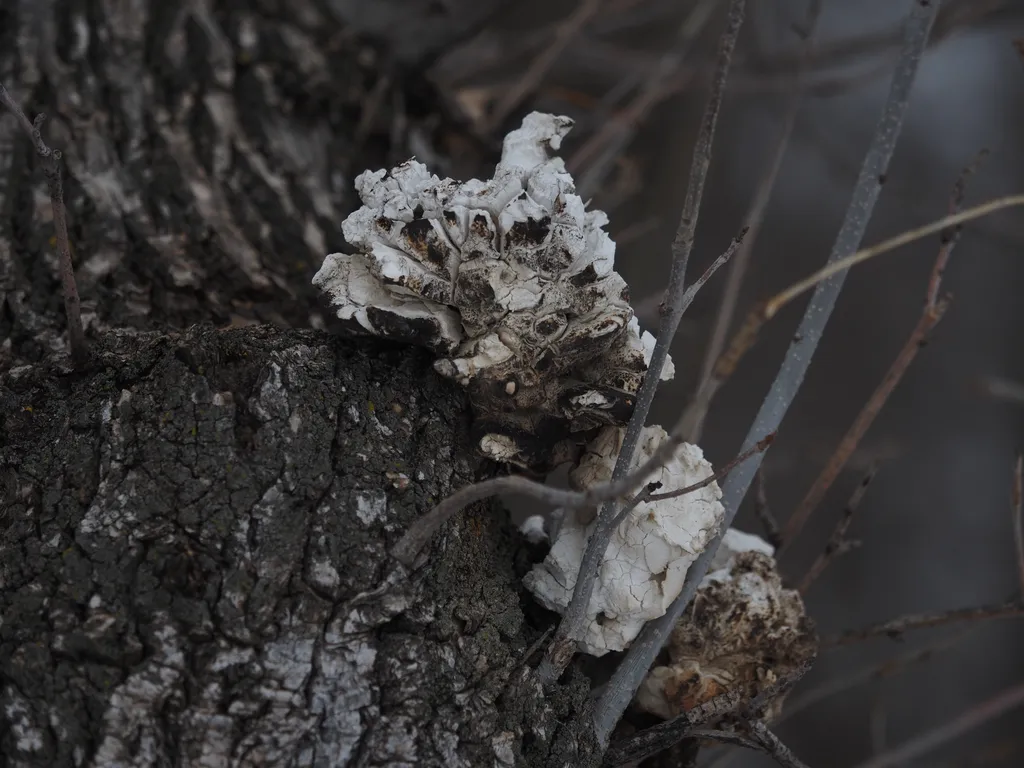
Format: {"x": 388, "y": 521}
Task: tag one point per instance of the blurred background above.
{"x": 936, "y": 521}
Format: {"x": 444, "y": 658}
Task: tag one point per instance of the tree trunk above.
{"x": 194, "y": 530}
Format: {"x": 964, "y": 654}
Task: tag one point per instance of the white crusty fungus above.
{"x": 510, "y": 281}
{"x": 742, "y": 633}
{"x": 649, "y": 553}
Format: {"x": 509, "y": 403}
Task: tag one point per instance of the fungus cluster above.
{"x": 510, "y": 281}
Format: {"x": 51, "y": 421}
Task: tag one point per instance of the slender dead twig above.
{"x": 573, "y": 624}
{"x": 897, "y": 627}
{"x": 934, "y": 309}
{"x": 621, "y": 688}
{"x": 541, "y": 64}
{"x": 932, "y": 739}
{"x": 51, "y": 170}
{"x": 759, "y": 206}
{"x": 773, "y": 745}
{"x": 762, "y": 445}
{"x": 1017, "y": 507}
{"x": 838, "y": 544}
{"x": 833, "y": 269}
{"x": 763, "y": 512}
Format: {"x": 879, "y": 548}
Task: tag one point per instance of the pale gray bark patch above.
{"x": 179, "y": 566}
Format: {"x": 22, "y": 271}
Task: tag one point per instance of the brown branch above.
{"x": 51, "y": 170}
{"x": 932, "y": 739}
{"x": 934, "y": 308}
{"x": 838, "y": 545}
{"x": 1018, "y": 517}
{"x": 895, "y": 628}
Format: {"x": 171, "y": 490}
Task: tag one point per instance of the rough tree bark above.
{"x": 193, "y": 531}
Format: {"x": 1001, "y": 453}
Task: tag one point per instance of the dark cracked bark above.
{"x": 194, "y": 528}
{"x": 194, "y": 566}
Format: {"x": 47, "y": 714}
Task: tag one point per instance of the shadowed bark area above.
{"x": 194, "y": 568}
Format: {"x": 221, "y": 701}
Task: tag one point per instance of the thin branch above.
{"x": 833, "y": 269}
{"x": 934, "y": 308}
{"x": 763, "y": 512}
{"x": 1017, "y": 508}
{"x": 762, "y": 445}
{"x": 694, "y": 289}
{"x": 424, "y": 528}
{"x": 630, "y": 672}
{"x": 573, "y": 624}
{"x": 838, "y": 544}
{"x": 759, "y": 206}
{"x": 894, "y": 629}
{"x": 773, "y": 745}
{"x": 51, "y": 170}
{"x": 932, "y": 739}
{"x": 542, "y": 63}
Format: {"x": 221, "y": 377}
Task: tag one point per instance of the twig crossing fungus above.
{"x": 511, "y": 282}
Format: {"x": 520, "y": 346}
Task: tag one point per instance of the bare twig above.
{"x": 51, "y": 169}
{"x": 573, "y": 624}
{"x": 934, "y": 308}
{"x": 1017, "y": 508}
{"x": 833, "y": 269}
{"x": 763, "y": 512}
{"x": 762, "y": 445}
{"x": 894, "y": 629}
{"x": 762, "y": 196}
{"x": 838, "y": 544}
{"x": 630, "y": 672}
{"x": 934, "y": 738}
{"x": 534, "y": 74}
{"x": 773, "y": 745}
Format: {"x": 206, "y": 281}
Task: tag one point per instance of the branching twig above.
{"x": 1017, "y": 509}
{"x": 773, "y": 745}
{"x": 934, "y": 738}
{"x": 573, "y": 623}
{"x": 934, "y": 308}
{"x": 628, "y": 676}
{"x": 895, "y": 628}
{"x": 51, "y": 169}
{"x": 762, "y": 445}
{"x": 838, "y": 544}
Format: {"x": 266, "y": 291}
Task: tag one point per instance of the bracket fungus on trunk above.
{"x": 510, "y": 281}
{"x": 649, "y": 553}
{"x": 743, "y": 632}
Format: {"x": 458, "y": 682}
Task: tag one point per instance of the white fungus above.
{"x": 742, "y": 632}
{"x": 649, "y": 553}
{"x": 510, "y": 281}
